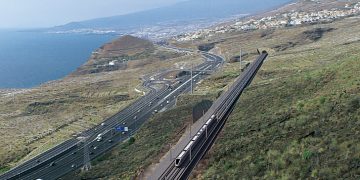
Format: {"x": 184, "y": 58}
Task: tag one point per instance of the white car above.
{"x": 99, "y": 138}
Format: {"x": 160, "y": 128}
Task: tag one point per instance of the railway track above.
{"x": 207, "y": 132}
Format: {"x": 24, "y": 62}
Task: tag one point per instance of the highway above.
{"x": 183, "y": 157}
{"x": 71, "y": 155}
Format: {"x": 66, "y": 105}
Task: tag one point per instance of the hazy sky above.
{"x": 47, "y": 13}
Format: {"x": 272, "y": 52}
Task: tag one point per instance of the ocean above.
{"x": 29, "y": 58}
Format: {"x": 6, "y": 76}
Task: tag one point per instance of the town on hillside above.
{"x": 286, "y": 19}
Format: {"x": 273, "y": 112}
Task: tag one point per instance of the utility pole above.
{"x": 13, "y": 96}
{"x": 191, "y": 78}
{"x": 170, "y": 153}
{"x": 240, "y": 58}
{"x": 190, "y": 131}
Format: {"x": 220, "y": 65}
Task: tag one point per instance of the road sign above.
{"x": 122, "y": 129}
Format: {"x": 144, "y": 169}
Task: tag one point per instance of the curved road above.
{"x": 69, "y": 155}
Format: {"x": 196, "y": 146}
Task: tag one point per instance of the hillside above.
{"x": 298, "y": 119}
{"x": 116, "y": 54}
{"x": 34, "y": 120}
{"x": 183, "y": 11}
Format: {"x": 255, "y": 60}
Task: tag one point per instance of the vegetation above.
{"x": 129, "y": 159}
{"x": 298, "y": 120}
{"x": 300, "y": 117}
{"x": 34, "y": 120}
{"x": 118, "y": 54}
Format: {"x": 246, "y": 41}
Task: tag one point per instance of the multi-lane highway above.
{"x": 72, "y": 154}
{"x": 193, "y": 145}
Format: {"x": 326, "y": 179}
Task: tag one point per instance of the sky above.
{"x": 48, "y": 13}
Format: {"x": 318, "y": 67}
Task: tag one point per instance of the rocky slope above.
{"x": 115, "y": 55}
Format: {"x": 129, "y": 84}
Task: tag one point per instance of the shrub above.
{"x": 322, "y": 99}
{"x": 354, "y": 104}
{"x": 307, "y": 154}
{"x": 131, "y": 140}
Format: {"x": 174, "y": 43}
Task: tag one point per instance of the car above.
{"x": 38, "y": 161}
{"x": 167, "y": 102}
{"x": 135, "y": 117}
{"x": 95, "y": 147}
{"x": 91, "y": 153}
{"x": 155, "y": 111}
{"x": 124, "y": 123}
{"x": 103, "y": 124}
{"x": 98, "y": 139}
{"x": 110, "y": 141}
{"x": 52, "y": 164}
{"x": 73, "y": 166}
{"x": 139, "y": 110}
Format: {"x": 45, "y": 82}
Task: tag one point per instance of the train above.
{"x": 197, "y": 141}
{"x": 193, "y": 146}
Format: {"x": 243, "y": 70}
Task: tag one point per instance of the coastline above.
{"x": 10, "y": 91}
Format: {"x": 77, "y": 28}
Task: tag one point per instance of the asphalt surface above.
{"x": 69, "y": 156}
{"x": 205, "y": 132}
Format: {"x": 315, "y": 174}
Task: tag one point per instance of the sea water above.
{"x": 29, "y": 58}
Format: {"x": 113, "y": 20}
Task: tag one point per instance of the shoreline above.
{"x": 4, "y": 91}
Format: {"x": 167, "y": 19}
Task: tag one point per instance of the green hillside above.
{"x": 298, "y": 120}
{"x": 300, "y": 117}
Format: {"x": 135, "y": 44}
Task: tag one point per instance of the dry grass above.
{"x": 35, "y": 120}
{"x": 299, "y": 117}
{"x": 273, "y": 132}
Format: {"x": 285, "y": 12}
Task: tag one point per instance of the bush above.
{"x": 354, "y": 104}
{"x": 307, "y": 154}
{"x": 131, "y": 140}
{"x": 4, "y": 169}
{"x": 322, "y": 100}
